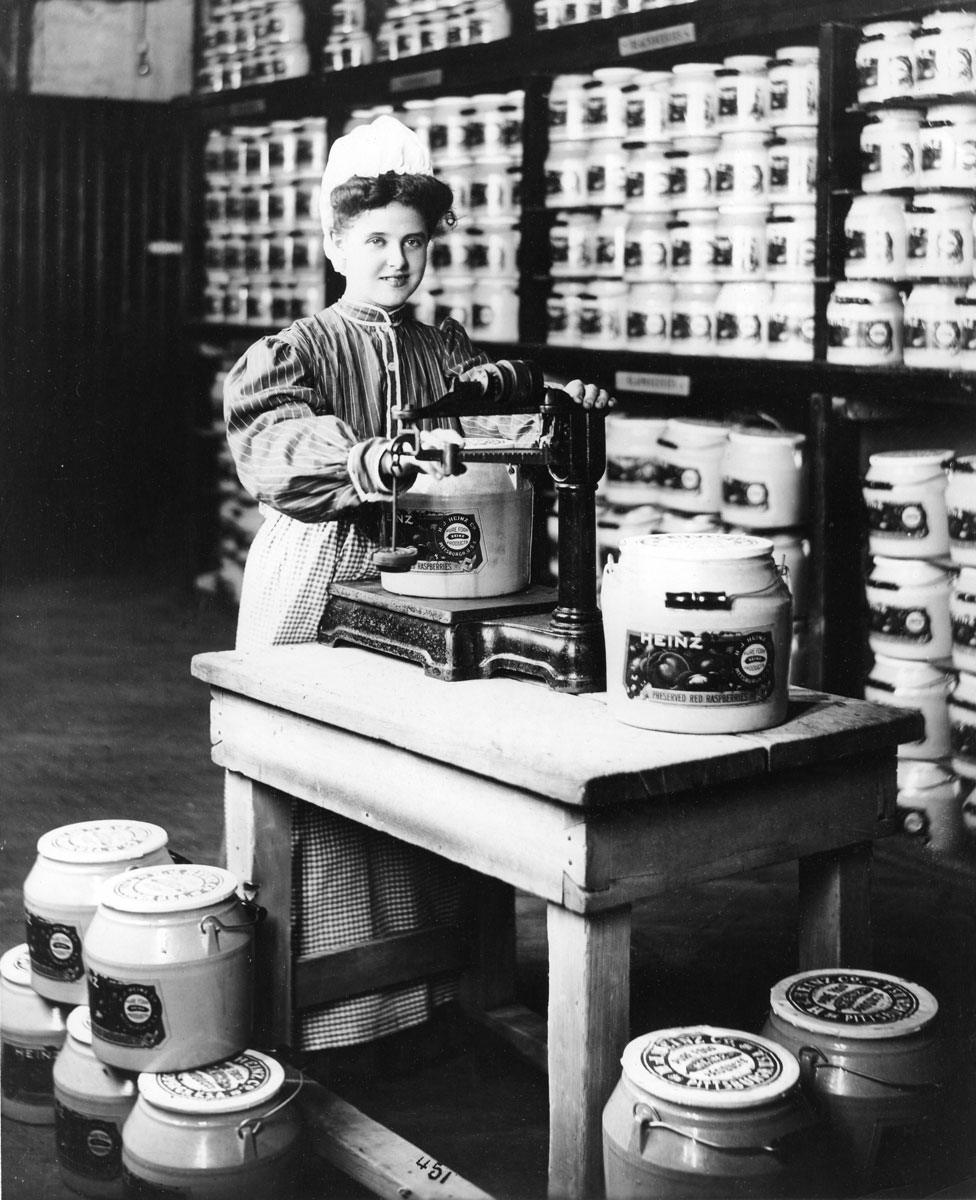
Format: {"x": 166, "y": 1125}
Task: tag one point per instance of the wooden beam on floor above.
{"x": 374, "y": 1156}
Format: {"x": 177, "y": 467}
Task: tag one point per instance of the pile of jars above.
{"x": 553, "y": 14}
{"x": 419, "y": 26}
{"x": 908, "y": 296}
{"x": 349, "y": 43}
{"x": 472, "y": 273}
{"x": 125, "y": 1020}
{"x": 263, "y": 251}
{"x": 250, "y": 41}
{"x": 921, "y": 591}
{"x": 682, "y": 475}
{"x": 684, "y": 206}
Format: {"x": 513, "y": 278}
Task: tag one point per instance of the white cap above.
{"x": 385, "y": 144}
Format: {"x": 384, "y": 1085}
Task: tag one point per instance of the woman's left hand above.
{"x": 589, "y": 395}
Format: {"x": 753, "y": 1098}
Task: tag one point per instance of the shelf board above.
{"x": 657, "y": 37}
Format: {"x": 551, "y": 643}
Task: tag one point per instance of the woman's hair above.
{"x": 431, "y": 197}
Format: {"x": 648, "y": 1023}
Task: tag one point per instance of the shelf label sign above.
{"x": 658, "y": 385}
{"x": 419, "y": 79}
{"x": 236, "y": 110}
{"x": 656, "y": 39}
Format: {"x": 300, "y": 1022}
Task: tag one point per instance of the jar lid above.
{"x": 890, "y": 28}
{"x": 105, "y": 841}
{"x": 615, "y": 75}
{"x": 696, "y": 68}
{"x": 917, "y": 774}
{"x": 941, "y": 19}
{"x": 79, "y": 1024}
{"x": 746, "y": 62}
{"x": 699, "y": 547}
{"x": 15, "y": 965}
{"x": 907, "y": 572}
{"x": 699, "y": 430}
{"x": 245, "y": 1081}
{"x": 915, "y": 673}
{"x": 748, "y": 433}
{"x": 855, "y": 1004}
{"x": 176, "y": 888}
{"x": 936, "y": 459}
{"x": 787, "y": 54}
{"x": 707, "y": 1067}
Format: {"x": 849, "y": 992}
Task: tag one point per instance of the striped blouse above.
{"x": 308, "y": 413}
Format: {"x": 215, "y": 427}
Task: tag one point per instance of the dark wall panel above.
{"x": 94, "y": 430}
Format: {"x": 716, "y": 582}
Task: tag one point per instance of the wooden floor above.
{"x": 101, "y": 718}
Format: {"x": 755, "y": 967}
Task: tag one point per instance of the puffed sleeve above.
{"x": 520, "y": 428}
{"x": 291, "y": 453}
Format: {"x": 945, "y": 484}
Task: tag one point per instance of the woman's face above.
{"x": 384, "y": 255}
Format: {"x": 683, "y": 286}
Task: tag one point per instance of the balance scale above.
{"x": 552, "y": 634}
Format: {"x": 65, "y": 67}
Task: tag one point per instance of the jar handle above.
{"x": 211, "y": 927}
{"x": 250, "y": 1127}
{"x": 813, "y": 1060}
{"x": 646, "y": 1118}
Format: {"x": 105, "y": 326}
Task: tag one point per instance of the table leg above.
{"x": 589, "y": 1024}
{"x": 257, "y": 826}
{"x": 835, "y": 908}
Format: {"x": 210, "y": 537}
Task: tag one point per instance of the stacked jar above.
{"x": 717, "y": 218}
{"x": 414, "y": 27}
{"x": 263, "y": 251}
{"x": 961, "y": 509}
{"x": 911, "y": 629}
{"x": 246, "y": 42}
{"x": 472, "y": 272}
{"x": 765, "y": 492}
{"x": 909, "y": 234}
{"x": 349, "y": 43}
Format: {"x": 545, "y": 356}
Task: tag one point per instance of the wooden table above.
{"x": 546, "y": 793}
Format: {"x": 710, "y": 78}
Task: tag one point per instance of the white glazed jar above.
{"x": 885, "y": 61}
{"x": 876, "y": 238}
{"x": 740, "y": 319}
{"x": 688, "y": 465}
{"x": 692, "y": 174}
{"x": 947, "y": 147}
{"x": 933, "y": 326}
{"x": 944, "y": 54}
{"x": 693, "y": 319}
{"x": 92, "y": 1104}
{"x": 740, "y": 243}
{"x": 961, "y": 508}
{"x": 562, "y": 314}
{"x": 789, "y": 328}
{"x": 905, "y": 503}
{"x": 930, "y": 804}
{"x": 794, "y": 86}
{"x": 603, "y": 314}
{"x": 631, "y": 446}
{"x": 939, "y": 236}
{"x": 609, "y": 239}
{"x": 648, "y": 183}
{"x": 566, "y": 175}
{"x": 791, "y": 552}
{"x": 572, "y": 242}
{"x": 791, "y": 243}
{"x": 61, "y": 894}
{"x": 606, "y": 172}
{"x": 611, "y": 97}
{"x": 227, "y": 1131}
{"x": 741, "y": 166}
{"x": 32, "y": 1031}
{"x": 908, "y": 609}
{"x": 495, "y": 310}
{"x": 864, "y": 324}
{"x": 962, "y": 725}
{"x": 792, "y": 170}
{"x": 890, "y": 150}
{"x": 692, "y": 100}
{"x": 169, "y": 954}
{"x": 743, "y": 93}
{"x": 646, "y": 100}
{"x": 646, "y": 248}
{"x": 697, "y": 632}
{"x": 649, "y": 316}
{"x": 692, "y": 237}
{"x": 903, "y": 683}
{"x": 566, "y": 104}
{"x": 764, "y": 478}
{"x": 962, "y": 613}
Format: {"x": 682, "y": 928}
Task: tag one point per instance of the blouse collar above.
{"x": 370, "y": 314}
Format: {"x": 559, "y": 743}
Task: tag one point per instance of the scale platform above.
{"x": 466, "y": 639}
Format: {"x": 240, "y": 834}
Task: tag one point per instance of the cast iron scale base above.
{"x": 554, "y": 635}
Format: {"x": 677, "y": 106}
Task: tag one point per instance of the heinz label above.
{"x": 706, "y": 668}
{"x": 125, "y": 1014}
{"x": 447, "y": 543}
{"x": 55, "y": 949}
